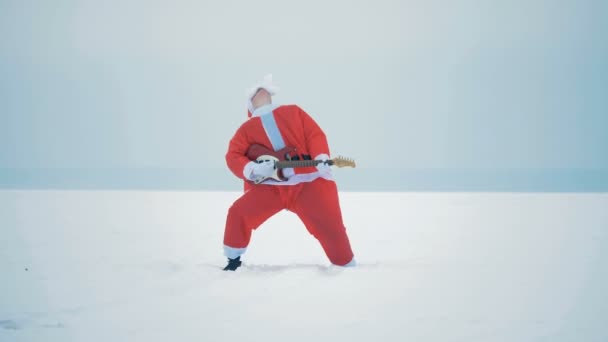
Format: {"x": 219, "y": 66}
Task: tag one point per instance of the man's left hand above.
{"x": 324, "y": 168}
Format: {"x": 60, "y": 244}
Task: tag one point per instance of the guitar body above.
{"x": 260, "y": 153}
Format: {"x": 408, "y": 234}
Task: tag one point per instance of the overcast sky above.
{"x": 423, "y": 84}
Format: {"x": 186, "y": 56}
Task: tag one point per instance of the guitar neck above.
{"x": 299, "y": 163}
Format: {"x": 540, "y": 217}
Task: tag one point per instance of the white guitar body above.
{"x": 277, "y": 172}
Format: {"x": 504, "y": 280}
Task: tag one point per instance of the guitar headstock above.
{"x": 343, "y": 162}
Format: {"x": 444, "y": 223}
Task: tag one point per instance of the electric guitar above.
{"x": 283, "y": 159}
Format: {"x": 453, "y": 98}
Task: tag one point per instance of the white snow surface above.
{"x": 146, "y": 266}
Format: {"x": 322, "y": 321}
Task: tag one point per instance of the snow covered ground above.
{"x": 146, "y": 266}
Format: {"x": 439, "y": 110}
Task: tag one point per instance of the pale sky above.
{"x": 427, "y": 85}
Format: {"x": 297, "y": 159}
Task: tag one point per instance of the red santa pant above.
{"x": 316, "y": 204}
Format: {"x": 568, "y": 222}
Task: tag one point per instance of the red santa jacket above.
{"x": 296, "y": 128}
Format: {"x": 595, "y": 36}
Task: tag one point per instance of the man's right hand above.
{"x": 263, "y": 169}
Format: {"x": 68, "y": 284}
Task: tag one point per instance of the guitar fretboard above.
{"x": 299, "y": 163}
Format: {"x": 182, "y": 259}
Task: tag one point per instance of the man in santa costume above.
{"x": 309, "y": 192}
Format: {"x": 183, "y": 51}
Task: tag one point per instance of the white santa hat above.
{"x": 266, "y": 84}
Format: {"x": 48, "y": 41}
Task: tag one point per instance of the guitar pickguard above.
{"x": 278, "y": 173}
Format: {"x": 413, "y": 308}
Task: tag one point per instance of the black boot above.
{"x": 233, "y": 264}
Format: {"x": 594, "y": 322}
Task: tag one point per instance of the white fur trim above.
{"x": 234, "y": 253}
{"x": 300, "y": 178}
{"x": 292, "y": 177}
{"x": 265, "y": 109}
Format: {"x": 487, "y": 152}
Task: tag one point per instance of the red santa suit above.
{"x": 310, "y": 194}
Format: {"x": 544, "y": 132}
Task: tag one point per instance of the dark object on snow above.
{"x": 233, "y": 264}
